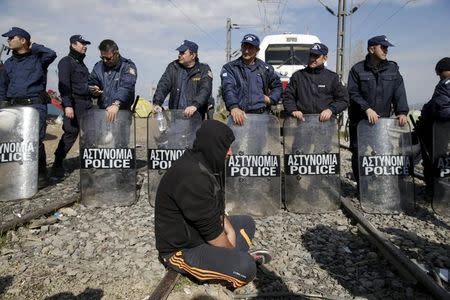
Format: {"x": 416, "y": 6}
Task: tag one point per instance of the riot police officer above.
{"x": 113, "y": 80}
{"x": 437, "y": 109}
{"x": 73, "y": 88}
{"x": 376, "y": 88}
{"x": 249, "y": 84}
{"x": 23, "y": 81}
{"x": 315, "y": 89}
{"x": 188, "y": 81}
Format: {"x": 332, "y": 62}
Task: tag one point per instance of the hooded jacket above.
{"x": 438, "y": 108}
{"x": 189, "y": 205}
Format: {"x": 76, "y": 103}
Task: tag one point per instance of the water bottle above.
{"x": 162, "y": 123}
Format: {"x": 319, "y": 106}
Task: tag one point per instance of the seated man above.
{"x": 193, "y": 235}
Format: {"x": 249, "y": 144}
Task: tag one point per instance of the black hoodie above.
{"x": 189, "y": 202}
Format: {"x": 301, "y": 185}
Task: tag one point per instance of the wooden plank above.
{"x": 165, "y": 286}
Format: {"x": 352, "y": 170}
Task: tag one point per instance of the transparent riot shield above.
{"x": 107, "y": 159}
{"x": 19, "y": 148}
{"x": 441, "y": 159}
{"x": 311, "y": 165}
{"x": 385, "y": 167}
{"x": 253, "y": 181}
{"x": 170, "y": 133}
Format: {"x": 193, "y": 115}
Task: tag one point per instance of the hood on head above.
{"x": 213, "y": 140}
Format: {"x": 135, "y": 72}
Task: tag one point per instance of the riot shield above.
{"x": 107, "y": 159}
{"x": 19, "y": 148}
{"x": 441, "y": 160}
{"x": 169, "y": 134}
{"x": 311, "y": 165}
{"x": 385, "y": 167}
{"x": 253, "y": 181}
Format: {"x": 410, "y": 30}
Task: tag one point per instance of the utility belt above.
{"x": 258, "y": 110}
{"x": 26, "y": 101}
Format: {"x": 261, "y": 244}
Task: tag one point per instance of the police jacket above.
{"x": 380, "y": 88}
{"x": 236, "y": 89}
{"x": 73, "y": 78}
{"x": 117, "y": 83}
{"x": 189, "y": 205}
{"x": 313, "y": 90}
{"x": 438, "y": 108}
{"x": 25, "y": 75}
{"x": 198, "y": 88}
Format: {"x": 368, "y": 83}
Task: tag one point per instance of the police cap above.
{"x": 318, "y": 49}
{"x": 379, "y": 40}
{"x": 250, "y": 39}
{"x": 16, "y": 31}
{"x": 193, "y": 47}
{"x": 78, "y": 38}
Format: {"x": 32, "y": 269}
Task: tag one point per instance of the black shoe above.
{"x": 42, "y": 181}
{"x": 57, "y": 172}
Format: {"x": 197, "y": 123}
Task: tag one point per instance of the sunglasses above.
{"x": 106, "y": 58}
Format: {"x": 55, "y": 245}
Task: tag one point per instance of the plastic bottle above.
{"x": 162, "y": 123}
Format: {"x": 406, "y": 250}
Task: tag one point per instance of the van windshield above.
{"x": 287, "y": 54}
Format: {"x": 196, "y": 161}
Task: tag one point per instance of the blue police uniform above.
{"x": 73, "y": 88}
{"x": 117, "y": 83}
{"x": 244, "y": 86}
{"x": 23, "y": 81}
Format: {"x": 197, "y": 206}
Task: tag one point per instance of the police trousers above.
{"x": 71, "y": 128}
{"x": 231, "y": 267}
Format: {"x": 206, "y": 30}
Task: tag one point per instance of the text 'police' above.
{"x": 18, "y": 152}
{"x": 108, "y": 158}
{"x": 312, "y": 164}
{"x": 253, "y": 166}
{"x": 443, "y": 166}
{"x": 385, "y": 165}
{"x": 161, "y": 159}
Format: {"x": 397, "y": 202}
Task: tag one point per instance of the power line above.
{"x": 195, "y": 24}
{"x": 367, "y": 17}
{"x": 390, "y": 17}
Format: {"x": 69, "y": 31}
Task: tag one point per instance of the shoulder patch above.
{"x": 224, "y": 74}
{"x": 210, "y": 74}
{"x": 447, "y": 82}
{"x": 132, "y": 71}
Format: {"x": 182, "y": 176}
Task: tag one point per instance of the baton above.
{"x": 133, "y": 109}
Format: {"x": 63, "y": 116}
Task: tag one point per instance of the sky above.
{"x": 149, "y": 31}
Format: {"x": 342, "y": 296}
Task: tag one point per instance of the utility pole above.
{"x": 340, "y": 38}
{"x": 229, "y": 26}
{"x": 340, "y": 49}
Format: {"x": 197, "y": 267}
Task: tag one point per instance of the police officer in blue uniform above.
{"x": 188, "y": 81}
{"x": 23, "y": 81}
{"x": 73, "y": 88}
{"x": 249, "y": 84}
{"x": 113, "y": 80}
{"x": 437, "y": 109}
{"x": 376, "y": 88}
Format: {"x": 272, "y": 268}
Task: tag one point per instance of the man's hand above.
{"x": 68, "y": 111}
{"x": 238, "y": 116}
{"x": 111, "y": 112}
{"x": 298, "y": 114}
{"x": 189, "y": 111}
{"x": 267, "y": 100}
{"x": 229, "y": 231}
{"x": 325, "y": 115}
{"x": 402, "y": 120}
{"x": 157, "y": 108}
{"x": 95, "y": 90}
{"x": 372, "y": 116}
